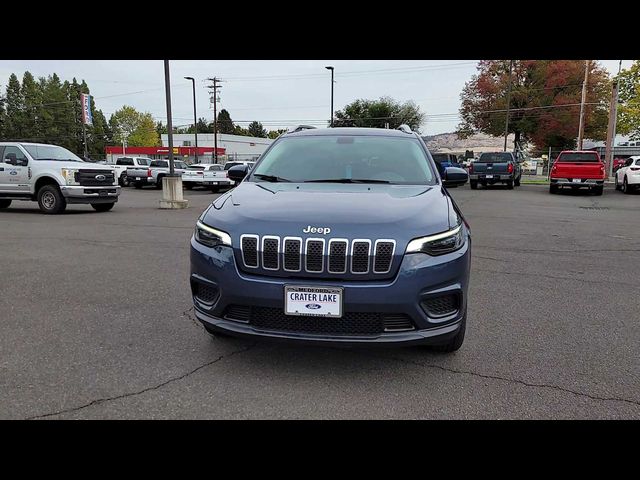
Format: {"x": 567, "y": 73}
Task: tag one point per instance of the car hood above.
{"x": 369, "y": 211}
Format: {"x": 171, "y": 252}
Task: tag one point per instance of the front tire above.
{"x": 4, "y": 204}
{"x": 50, "y": 200}
{"x": 159, "y": 183}
{"x": 123, "y": 181}
{"x": 102, "y": 207}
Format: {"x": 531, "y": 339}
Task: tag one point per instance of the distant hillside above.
{"x": 479, "y": 142}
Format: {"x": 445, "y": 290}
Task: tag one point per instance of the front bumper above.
{"x": 88, "y": 194}
{"x": 420, "y": 277}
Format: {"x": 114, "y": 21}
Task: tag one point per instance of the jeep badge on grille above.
{"x": 322, "y": 230}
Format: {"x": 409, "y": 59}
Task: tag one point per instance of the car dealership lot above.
{"x": 96, "y": 322}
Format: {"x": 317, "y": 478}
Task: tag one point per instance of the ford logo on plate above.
{"x": 100, "y": 177}
{"x": 312, "y": 306}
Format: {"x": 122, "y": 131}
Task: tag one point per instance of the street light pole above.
{"x": 331, "y": 68}
{"x": 584, "y": 99}
{"x": 506, "y": 126}
{"x": 195, "y": 121}
{"x": 167, "y": 89}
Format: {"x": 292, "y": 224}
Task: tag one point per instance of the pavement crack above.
{"x": 517, "y": 381}
{"x": 144, "y": 390}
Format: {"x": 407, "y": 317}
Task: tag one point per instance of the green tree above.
{"x": 379, "y": 113}
{"x": 238, "y": 130}
{"x": 14, "y": 103}
{"x": 32, "y": 98}
{"x": 628, "y": 121}
{"x": 276, "y": 133}
{"x": 225, "y": 124}
{"x": 540, "y": 91}
{"x": 255, "y": 129}
{"x": 137, "y": 129}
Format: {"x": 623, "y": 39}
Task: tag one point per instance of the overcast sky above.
{"x": 276, "y": 93}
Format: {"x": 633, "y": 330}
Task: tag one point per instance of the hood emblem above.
{"x": 100, "y": 177}
{"x": 322, "y": 230}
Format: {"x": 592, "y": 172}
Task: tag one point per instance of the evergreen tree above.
{"x": 255, "y": 129}
{"x": 32, "y": 105}
{"x": 225, "y": 124}
{"x": 14, "y": 103}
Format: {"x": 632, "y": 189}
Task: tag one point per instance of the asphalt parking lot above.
{"x": 96, "y": 322}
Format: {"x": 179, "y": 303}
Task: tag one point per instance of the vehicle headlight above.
{"x": 211, "y": 237}
{"x": 69, "y": 175}
{"x": 439, "y": 244}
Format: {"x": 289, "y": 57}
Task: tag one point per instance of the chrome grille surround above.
{"x": 336, "y": 256}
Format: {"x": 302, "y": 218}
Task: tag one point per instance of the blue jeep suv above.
{"x": 336, "y": 236}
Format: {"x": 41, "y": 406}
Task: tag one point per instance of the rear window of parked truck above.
{"x": 578, "y": 157}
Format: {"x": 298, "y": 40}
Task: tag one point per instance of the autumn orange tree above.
{"x": 544, "y": 104}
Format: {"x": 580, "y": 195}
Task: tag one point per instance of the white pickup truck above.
{"x": 123, "y": 163}
{"x": 152, "y": 175}
{"x": 54, "y": 177}
{"x": 208, "y": 175}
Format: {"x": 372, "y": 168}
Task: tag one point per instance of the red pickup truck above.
{"x": 578, "y": 169}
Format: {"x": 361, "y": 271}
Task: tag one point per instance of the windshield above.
{"x": 197, "y": 167}
{"x": 578, "y": 157}
{"x": 495, "y": 158}
{"x": 51, "y": 152}
{"x": 441, "y": 157}
{"x": 357, "y": 158}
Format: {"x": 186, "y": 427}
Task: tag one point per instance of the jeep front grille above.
{"x": 317, "y": 255}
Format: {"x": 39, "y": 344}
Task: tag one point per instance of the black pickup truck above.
{"x": 496, "y": 167}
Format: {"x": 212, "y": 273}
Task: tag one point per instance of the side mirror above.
{"x": 22, "y": 162}
{"x": 454, "y": 177}
{"x": 238, "y": 172}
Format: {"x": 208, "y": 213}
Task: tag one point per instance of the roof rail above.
{"x": 299, "y": 128}
{"x": 405, "y": 128}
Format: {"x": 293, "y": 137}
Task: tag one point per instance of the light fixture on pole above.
{"x": 195, "y": 121}
{"x": 331, "y": 68}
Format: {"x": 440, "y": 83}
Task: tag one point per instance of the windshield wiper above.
{"x": 270, "y": 178}
{"x": 347, "y": 180}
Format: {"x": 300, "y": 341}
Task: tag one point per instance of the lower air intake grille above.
{"x": 351, "y": 323}
{"x": 442, "y": 305}
{"x": 207, "y": 293}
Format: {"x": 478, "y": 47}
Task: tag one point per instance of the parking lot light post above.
{"x": 331, "y": 68}
{"x": 171, "y": 184}
{"x": 195, "y": 121}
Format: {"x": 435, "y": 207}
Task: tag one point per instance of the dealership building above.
{"x": 230, "y": 147}
{"x": 236, "y": 147}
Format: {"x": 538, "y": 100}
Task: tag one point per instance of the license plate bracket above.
{"x": 303, "y": 300}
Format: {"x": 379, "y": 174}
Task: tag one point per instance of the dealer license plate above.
{"x": 577, "y": 180}
{"x": 488, "y": 176}
{"x": 137, "y": 178}
{"x": 313, "y": 301}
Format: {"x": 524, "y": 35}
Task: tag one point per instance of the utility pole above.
{"x": 214, "y": 88}
{"x": 611, "y": 130}
{"x": 584, "y": 99}
{"x": 332, "y": 82}
{"x": 506, "y": 123}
